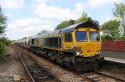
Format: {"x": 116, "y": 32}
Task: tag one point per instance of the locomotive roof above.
{"x": 88, "y": 24}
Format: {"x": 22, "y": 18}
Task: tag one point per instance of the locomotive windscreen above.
{"x": 94, "y": 36}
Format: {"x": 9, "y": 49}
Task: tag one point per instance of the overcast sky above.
{"x": 28, "y": 17}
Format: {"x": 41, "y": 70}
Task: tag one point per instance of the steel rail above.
{"x": 33, "y": 80}
{"x": 96, "y": 72}
{"x": 87, "y": 78}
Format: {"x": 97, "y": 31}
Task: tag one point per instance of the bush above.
{"x": 5, "y": 41}
{"x": 122, "y": 37}
{"x": 2, "y": 52}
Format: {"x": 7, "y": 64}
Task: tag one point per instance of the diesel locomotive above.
{"x": 77, "y": 46}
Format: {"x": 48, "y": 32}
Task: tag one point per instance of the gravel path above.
{"x": 11, "y": 69}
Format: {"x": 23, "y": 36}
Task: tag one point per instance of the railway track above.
{"x": 22, "y": 61}
{"x": 99, "y": 77}
{"x": 91, "y": 76}
{"x": 36, "y": 72}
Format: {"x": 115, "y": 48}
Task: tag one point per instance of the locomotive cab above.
{"x": 87, "y": 42}
{"x": 84, "y": 41}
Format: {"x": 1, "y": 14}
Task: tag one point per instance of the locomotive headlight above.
{"x": 99, "y": 52}
{"x": 77, "y": 53}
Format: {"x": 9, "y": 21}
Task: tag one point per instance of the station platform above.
{"x": 118, "y": 57}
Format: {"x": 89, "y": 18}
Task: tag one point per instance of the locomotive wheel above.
{"x": 67, "y": 64}
{"x": 58, "y": 59}
{"x": 52, "y": 56}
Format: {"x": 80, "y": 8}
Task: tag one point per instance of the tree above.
{"x": 3, "y": 20}
{"x": 3, "y": 41}
{"x": 65, "y": 24}
{"x": 111, "y": 30}
{"x": 84, "y": 17}
{"x": 119, "y": 11}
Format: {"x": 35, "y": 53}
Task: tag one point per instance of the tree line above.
{"x": 113, "y": 29}
{"x": 84, "y": 17}
{"x": 3, "y": 40}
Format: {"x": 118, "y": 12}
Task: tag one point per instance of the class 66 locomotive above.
{"x": 77, "y": 46}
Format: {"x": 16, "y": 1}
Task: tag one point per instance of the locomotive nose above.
{"x": 90, "y": 49}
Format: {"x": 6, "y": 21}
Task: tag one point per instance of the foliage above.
{"x": 119, "y": 11}
{"x": 3, "y": 20}
{"x": 2, "y": 49}
{"x": 114, "y": 29}
{"x": 2, "y": 52}
{"x": 65, "y": 24}
{"x": 84, "y": 17}
{"x": 111, "y": 30}
{"x": 3, "y": 43}
{"x": 122, "y": 38}
{"x": 3, "y": 40}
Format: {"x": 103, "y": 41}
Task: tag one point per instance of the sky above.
{"x": 28, "y": 17}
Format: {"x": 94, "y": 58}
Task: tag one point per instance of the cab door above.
{"x": 67, "y": 42}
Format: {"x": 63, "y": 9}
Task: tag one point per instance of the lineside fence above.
{"x": 112, "y": 45}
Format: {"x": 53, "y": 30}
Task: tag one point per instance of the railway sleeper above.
{"x": 39, "y": 73}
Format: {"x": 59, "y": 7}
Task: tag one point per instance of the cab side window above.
{"x": 68, "y": 37}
